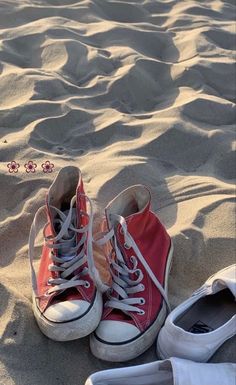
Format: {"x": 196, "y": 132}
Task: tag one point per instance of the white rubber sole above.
{"x": 130, "y": 350}
{"x": 67, "y": 331}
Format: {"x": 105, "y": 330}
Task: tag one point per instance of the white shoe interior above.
{"x": 208, "y": 313}
{"x": 130, "y": 201}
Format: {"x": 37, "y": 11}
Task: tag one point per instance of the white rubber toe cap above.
{"x": 116, "y": 331}
{"x": 66, "y": 311}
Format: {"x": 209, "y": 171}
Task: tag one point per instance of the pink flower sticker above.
{"x": 30, "y": 166}
{"x": 47, "y": 166}
{"x": 13, "y": 166}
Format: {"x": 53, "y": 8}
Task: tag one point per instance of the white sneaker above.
{"x": 174, "y": 371}
{"x": 199, "y": 326}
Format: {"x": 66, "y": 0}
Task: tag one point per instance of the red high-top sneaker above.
{"x": 136, "y": 305}
{"x": 66, "y": 303}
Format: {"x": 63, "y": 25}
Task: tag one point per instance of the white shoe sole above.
{"x": 71, "y": 330}
{"x": 130, "y": 350}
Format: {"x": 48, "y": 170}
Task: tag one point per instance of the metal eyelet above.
{"x": 47, "y": 294}
{"x": 121, "y": 231}
{"x": 142, "y": 301}
{"x": 132, "y": 259}
{"x": 141, "y": 312}
{"x": 142, "y": 287}
{"x": 50, "y": 265}
{"x": 109, "y": 292}
{"x": 127, "y": 247}
{"x": 87, "y": 284}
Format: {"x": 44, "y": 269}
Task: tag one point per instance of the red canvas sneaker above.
{"x": 140, "y": 254}
{"x": 66, "y": 303}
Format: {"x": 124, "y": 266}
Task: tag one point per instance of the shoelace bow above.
{"x": 65, "y": 242}
{"x": 122, "y": 284}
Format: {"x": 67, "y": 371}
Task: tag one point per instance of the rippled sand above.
{"x": 131, "y": 92}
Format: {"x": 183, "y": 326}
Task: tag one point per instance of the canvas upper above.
{"x": 174, "y": 371}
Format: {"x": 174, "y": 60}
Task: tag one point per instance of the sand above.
{"x": 138, "y": 91}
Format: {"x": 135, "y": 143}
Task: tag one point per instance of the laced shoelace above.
{"x": 67, "y": 260}
{"x": 122, "y": 284}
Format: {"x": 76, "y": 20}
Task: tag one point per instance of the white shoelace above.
{"x": 67, "y": 261}
{"x": 122, "y": 284}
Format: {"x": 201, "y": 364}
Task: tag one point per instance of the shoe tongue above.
{"x": 69, "y": 238}
{"x": 192, "y": 373}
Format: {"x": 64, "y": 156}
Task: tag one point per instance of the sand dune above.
{"x": 138, "y": 91}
